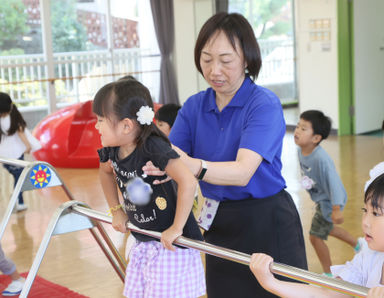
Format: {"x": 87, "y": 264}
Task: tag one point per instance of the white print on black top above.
{"x": 122, "y": 173}
{"x": 129, "y": 207}
{"x": 142, "y": 218}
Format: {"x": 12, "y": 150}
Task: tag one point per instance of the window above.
{"x": 272, "y": 22}
{"x": 93, "y": 44}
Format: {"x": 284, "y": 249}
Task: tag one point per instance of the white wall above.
{"x": 317, "y": 59}
{"x": 189, "y": 17}
{"x": 368, "y": 64}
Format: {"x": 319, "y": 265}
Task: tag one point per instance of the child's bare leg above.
{"x": 343, "y": 235}
{"x": 322, "y": 252}
{"x": 15, "y": 275}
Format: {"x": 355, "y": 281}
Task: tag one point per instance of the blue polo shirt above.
{"x": 253, "y": 120}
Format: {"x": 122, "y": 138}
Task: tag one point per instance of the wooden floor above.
{"x": 74, "y": 260}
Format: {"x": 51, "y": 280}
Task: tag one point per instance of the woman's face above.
{"x": 223, "y": 67}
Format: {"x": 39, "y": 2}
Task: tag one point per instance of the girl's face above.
{"x": 110, "y": 133}
{"x": 223, "y": 67}
{"x": 373, "y": 227}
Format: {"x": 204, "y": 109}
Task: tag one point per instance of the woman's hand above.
{"x": 170, "y": 235}
{"x": 150, "y": 170}
{"x": 119, "y": 220}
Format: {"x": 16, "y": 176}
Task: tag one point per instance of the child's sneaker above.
{"x": 361, "y": 244}
{"x": 327, "y": 274}
{"x": 15, "y": 287}
{"x": 21, "y": 207}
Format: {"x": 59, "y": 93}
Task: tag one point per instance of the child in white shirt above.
{"x": 365, "y": 269}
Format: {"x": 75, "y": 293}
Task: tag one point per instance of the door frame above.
{"x": 345, "y": 67}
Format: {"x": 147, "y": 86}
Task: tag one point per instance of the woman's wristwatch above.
{"x": 203, "y": 170}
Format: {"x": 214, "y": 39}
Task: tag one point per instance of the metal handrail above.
{"x": 243, "y": 258}
{"x": 15, "y": 162}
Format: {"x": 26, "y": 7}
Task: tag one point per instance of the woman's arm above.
{"x": 108, "y": 184}
{"x": 186, "y": 188}
{"x": 260, "y": 266}
{"x": 237, "y": 172}
{"x": 25, "y": 141}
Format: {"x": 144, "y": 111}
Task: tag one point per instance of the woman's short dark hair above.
{"x": 235, "y": 26}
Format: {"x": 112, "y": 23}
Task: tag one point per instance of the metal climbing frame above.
{"x": 78, "y": 216}
{"x": 37, "y": 175}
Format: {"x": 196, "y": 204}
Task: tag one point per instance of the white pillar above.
{"x": 190, "y": 15}
{"x": 46, "y": 26}
{"x": 111, "y": 68}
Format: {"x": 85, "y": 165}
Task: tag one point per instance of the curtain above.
{"x": 221, "y": 5}
{"x": 162, "y": 12}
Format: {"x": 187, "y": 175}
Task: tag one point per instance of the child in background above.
{"x": 165, "y": 117}
{"x": 9, "y": 268}
{"x": 320, "y": 179}
{"x": 366, "y": 269}
{"x": 130, "y": 139}
{"x": 15, "y": 139}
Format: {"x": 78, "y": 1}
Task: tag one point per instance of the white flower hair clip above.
{"x": 145, "y": 115}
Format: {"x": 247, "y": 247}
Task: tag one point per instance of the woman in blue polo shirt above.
{"x": 231, "y": 136}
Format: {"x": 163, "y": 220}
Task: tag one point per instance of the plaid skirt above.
{"x": 156, "y": 272}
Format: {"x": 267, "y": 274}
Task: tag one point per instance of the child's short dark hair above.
{"x": 168, "y": 113}
{"x": 321, "y": 124}
{"x": 375, "y": 192}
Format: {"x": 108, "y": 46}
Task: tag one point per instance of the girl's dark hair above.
{"x": 17, "y": 120}
{"x": 235, "y": 26}
{"x": 375, "y": 192}
{"x": 321, "y": 124}
{"x": 123, "y": 99}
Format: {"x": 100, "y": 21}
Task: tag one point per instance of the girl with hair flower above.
{"x": 130, "y": 139}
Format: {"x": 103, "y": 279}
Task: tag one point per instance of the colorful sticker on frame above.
{"x": 40, "y": 176}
